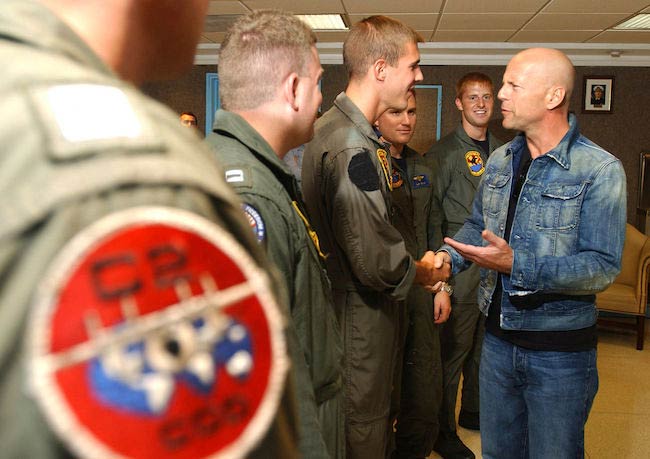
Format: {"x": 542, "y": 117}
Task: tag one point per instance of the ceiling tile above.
{"x": 501, "y": 21}
{"x": 297, "y": 7}
{"x": 573, "y": 21}
{"x": 213, "y": 37}
{"x": 224, "y": 7}
{"x": 391, "y": 7}
{"x": 587, "y": 6}
{"x": 622, "y": 36}
{"x": 331, "y": 37}
{"x": 492, "y": 6}
{"x": 417, "y": 21}
{"x": 552, "y": 36}
{"x": 472, "y": 35}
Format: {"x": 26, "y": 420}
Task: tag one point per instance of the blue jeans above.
{"x": 534, "y": 404}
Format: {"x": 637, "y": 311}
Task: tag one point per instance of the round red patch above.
{"x": 155, "y": 335}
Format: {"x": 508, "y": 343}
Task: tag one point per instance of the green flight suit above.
{"x": 265, "y": 183}
{"x": 458, "y": 164}
{"x": 347, "y": 193}
{"x": 62, "y": 170}
{"x": 416, "y": 213}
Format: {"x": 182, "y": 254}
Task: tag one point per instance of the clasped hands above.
{"x": 431, "y": 270}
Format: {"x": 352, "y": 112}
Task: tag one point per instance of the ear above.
{"x": 555, "y": 97}
{"x": 379, "y": 69}
{"x": 290, "y": 90}
{"x": 459, "y": 105}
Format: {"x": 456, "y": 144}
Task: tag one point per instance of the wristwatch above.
{"x": 447, "y": 288}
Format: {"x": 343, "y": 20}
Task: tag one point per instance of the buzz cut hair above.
{"x": 259, "y": 51}
{"x": 373, "y": 38}
{"x": 472, "y": 77}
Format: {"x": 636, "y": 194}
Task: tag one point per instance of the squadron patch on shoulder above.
{"x": 255, "y": 221}
{"x": 396, "y": 179}
{"x": 474, "y": 163}
{"x": 421, "y": 181}
{"x": 362, "y": 172}
{"x": 154, "y": 334}
{"x": 385, "y": 165}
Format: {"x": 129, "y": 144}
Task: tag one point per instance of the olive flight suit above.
{"x": 81, "y": 148}
{"x": 273, "y": 205}
{"x": 346, "y": 184}
{"x": 416, "y": 213}
{"x": 458, "y": 164}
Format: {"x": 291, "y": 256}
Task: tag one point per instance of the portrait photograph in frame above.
{"x": 598, "y": 94}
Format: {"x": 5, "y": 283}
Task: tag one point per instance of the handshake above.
{"x": 432, "y": 269}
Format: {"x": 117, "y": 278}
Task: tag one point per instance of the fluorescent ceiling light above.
{"x": 324, "y": 21}
{"x": 640, "y": 21}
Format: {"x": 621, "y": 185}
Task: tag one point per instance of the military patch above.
{"x": 362, "y": 172}
{"x": 87, "y": 112}
{"x": 255, "y": 221}
{"x": 312, "y": 234}
{"x": 474, "y": 163}
{"x": 383, "y": 160}
{"x": 83, "y": 119}
{"x": 421, "y": 181}
{"x": 154, "y": 334}
{"x": 234, "y": 175}
{"x": 396, "y": 179}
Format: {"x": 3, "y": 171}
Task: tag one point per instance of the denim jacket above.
{"x": 567, "y": 233}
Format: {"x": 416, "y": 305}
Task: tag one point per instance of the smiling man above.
{"x": 458, "y": 161}
{"x": 347, "y": 186}
{"x": 415, "y": 214}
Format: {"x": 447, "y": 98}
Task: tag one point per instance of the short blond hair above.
{"x": 260, "y": 49}
{"x": 376, "y": 37}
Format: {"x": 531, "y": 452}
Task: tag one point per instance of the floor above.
{"x": 619, "y": 422}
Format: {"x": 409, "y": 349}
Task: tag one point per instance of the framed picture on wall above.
{"x": 598, "y": 94}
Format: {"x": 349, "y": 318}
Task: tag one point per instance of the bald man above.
{"x": 547, "y": 230}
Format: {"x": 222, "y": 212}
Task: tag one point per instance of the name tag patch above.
{"x": 421, "y": 181}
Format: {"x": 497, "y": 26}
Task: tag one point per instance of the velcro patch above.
{"x": 255, "y": 221}
{"x": 83, "y": 119}
{"x": 154, "y": 334}
{"x": 362, "y": 172}
{"x": 240, "y": 176}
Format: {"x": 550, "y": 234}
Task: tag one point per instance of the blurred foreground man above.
{"x": 136, "y": 318}
{"x": 547, "y": 229}
{"x": 269, "y": 74}
{"x": 346, "y": 183}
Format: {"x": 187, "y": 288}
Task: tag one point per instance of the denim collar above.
{"x": 560, "y": 153}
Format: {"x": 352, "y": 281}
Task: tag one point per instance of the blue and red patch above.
{"x": 154, "y": 334}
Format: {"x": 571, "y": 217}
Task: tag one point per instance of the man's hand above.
{"x": 431, "y": 269}
{"x": 497, "y": 255}
{"x": 441, "y": 307}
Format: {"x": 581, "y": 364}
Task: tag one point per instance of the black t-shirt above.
{"x": 561, "y": 341}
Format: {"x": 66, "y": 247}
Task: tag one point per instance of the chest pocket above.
{"x": 495, "y": 194}
{"x": 560, "y": 206}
